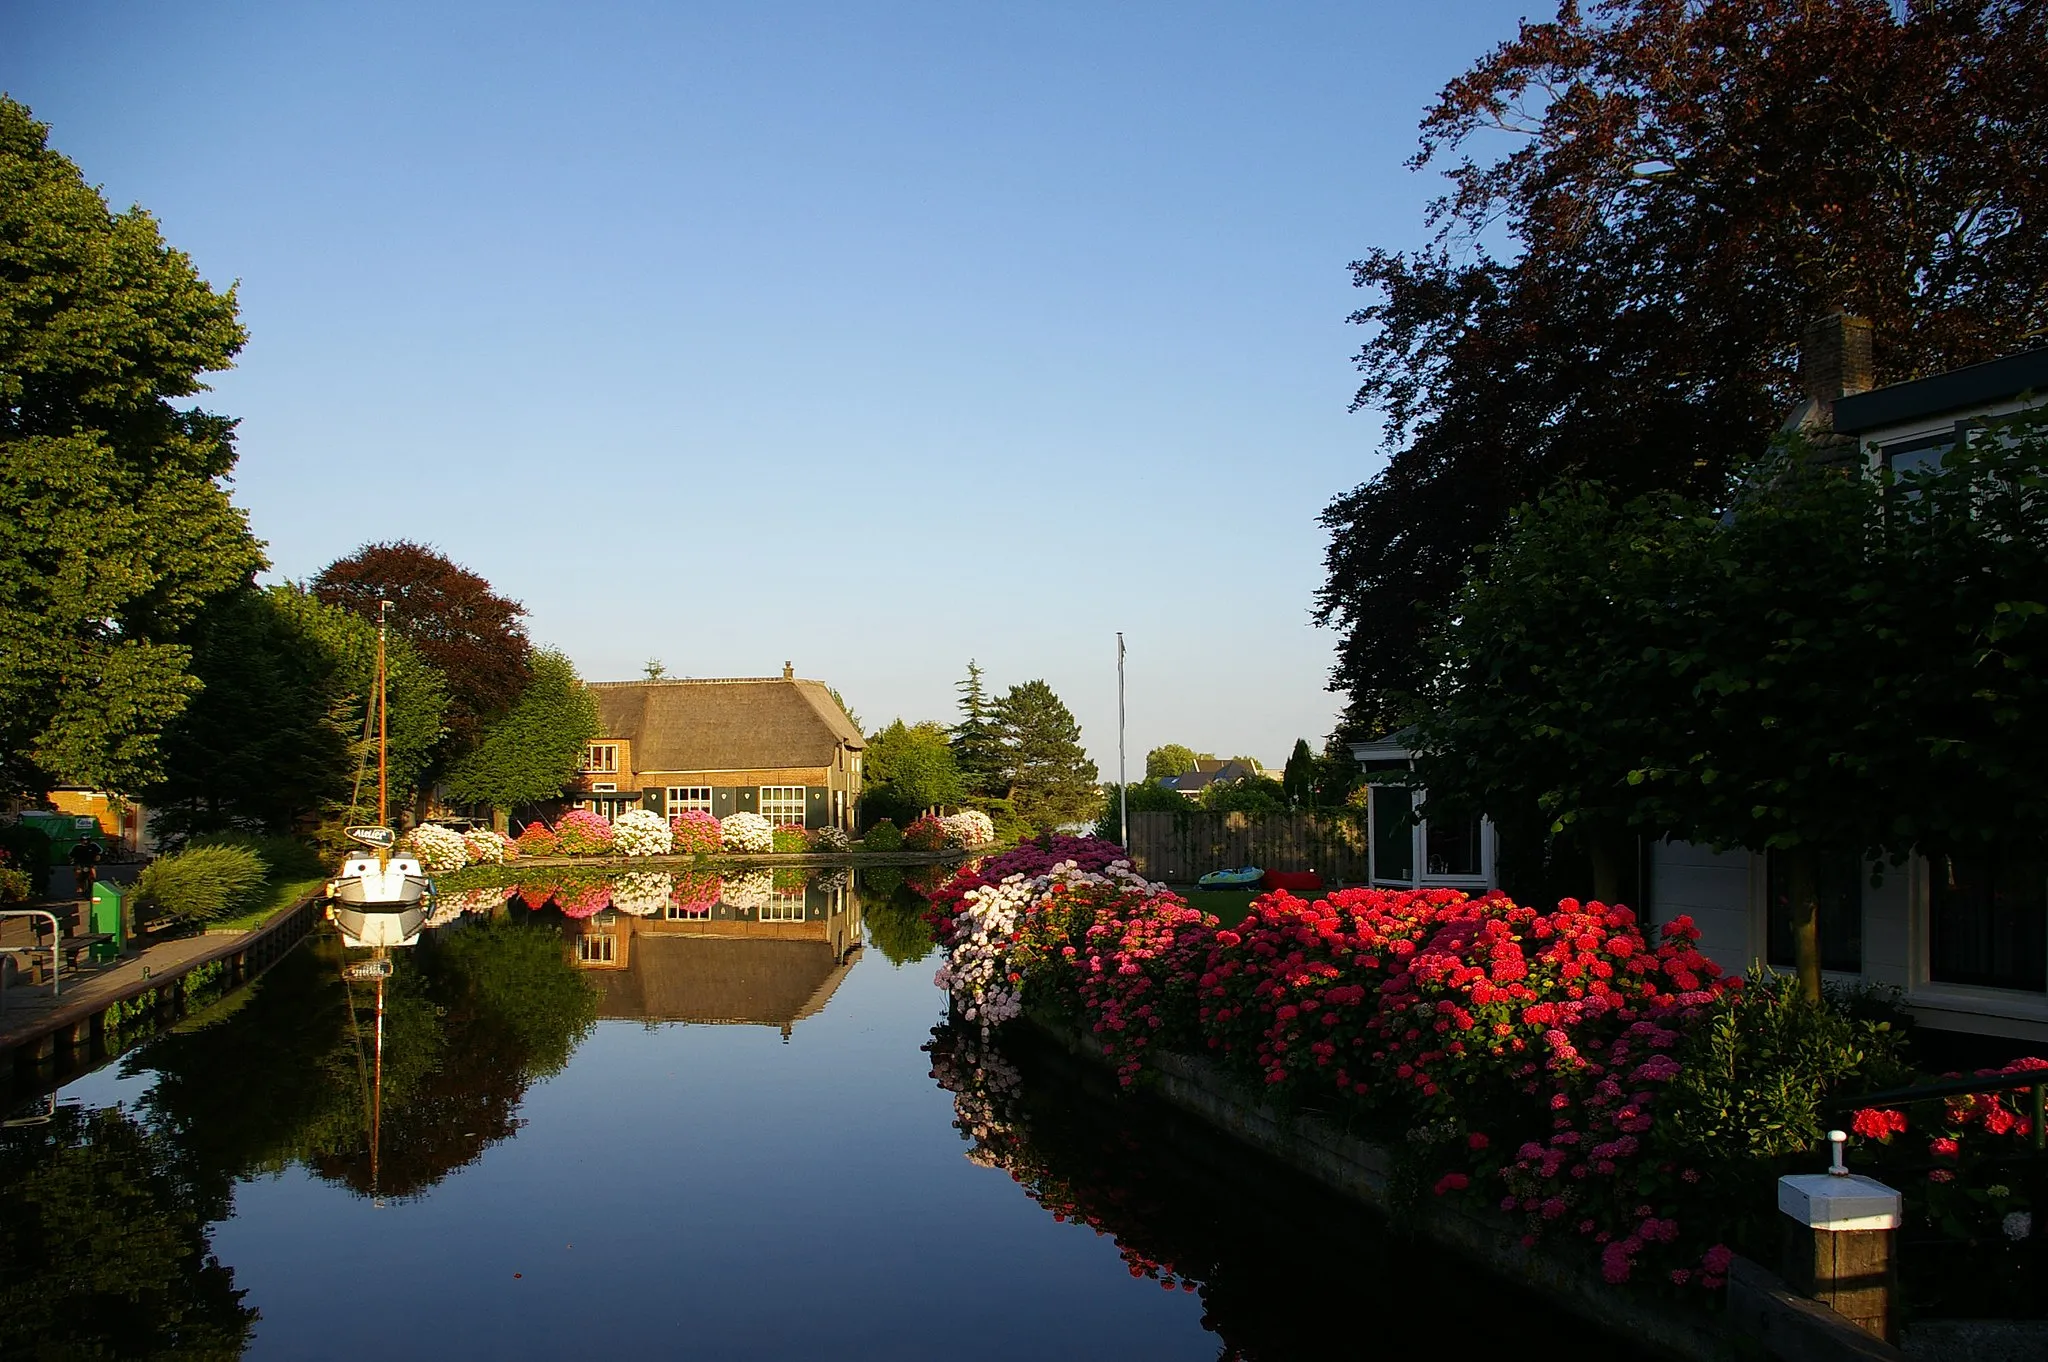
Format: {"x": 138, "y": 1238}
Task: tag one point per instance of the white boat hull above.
{"x": 372, "y": 928}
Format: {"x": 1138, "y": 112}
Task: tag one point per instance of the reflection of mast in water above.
{"x": 378, "y": 968}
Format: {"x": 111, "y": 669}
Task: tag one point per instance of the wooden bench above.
{"x": 72, "y": 947}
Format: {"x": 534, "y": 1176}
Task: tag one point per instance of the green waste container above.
{"x": 107, "y": 917}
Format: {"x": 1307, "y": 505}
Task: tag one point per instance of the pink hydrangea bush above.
{"x": 582, "y": 832}
{"x": 693, "y": 832}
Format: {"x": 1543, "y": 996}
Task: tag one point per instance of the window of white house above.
{"x": 1987, "y": 920}
{"x": 684, "y": 797}
{"x": 783, "y": 805}
{"x": 1410, "y": 851}
{"x": 594, "y": 950}
{"x": 1393, "y": 834}
{"x": 602, "y": 756}
{"x": 1452, "y": 847}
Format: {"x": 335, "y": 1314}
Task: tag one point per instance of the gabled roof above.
{"x": 749, "y": 723}
{"x": 734, "y": 980}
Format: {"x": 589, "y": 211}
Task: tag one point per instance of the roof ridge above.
{"x": 704, "y": 681}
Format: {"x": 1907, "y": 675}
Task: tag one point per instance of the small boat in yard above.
{"x": 1245, "y": 877}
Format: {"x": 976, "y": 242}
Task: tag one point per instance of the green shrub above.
{"x": 287, "y": 857}
{"x": 201, "y": 884}
{"x": 883, "y": 836}
{"x": 792, "y": 840}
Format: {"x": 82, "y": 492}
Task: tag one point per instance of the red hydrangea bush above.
{"x": 926, "y": 834}
{"x": 538, "y": 839}
{"x": 695, "y": 833}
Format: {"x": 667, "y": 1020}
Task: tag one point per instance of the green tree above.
{"x": 1050, "y": 780}
{"x": 268, "y": 740}
{"x": 1832, "y": 668}
{"x": 907, "y": 769}
{"x": 115, "y": 523}
{"x": 1254, "y": 794}
{"x": 977, "y": 747}
{"x": 1298, "y": 778}
{"x": 1647, "y": 202}
{"x": 531, "y": 753}
{"x": 1171, "y": 759}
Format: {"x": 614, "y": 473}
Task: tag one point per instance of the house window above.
{"x": 1393, "y": 833}
{"x": 1451, "y": 847}
{"x": 783, "y": 805}
{"x": 1987, "y": 920}
{"x": 696, "y": 912}
{"x": 602, "y": 757}
{"x": 684, "y": 797}
{"x": 784, "y": 905}
{"x": 594, "y": 950}
{"x": 1839, "y": 881}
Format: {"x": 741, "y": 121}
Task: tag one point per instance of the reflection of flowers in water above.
{"x": 832, "y": 881}
{"x": 695, "y": 893}
{"x": 989, "y": 1112}
{"x": 642, "y": 894}
{"x": 751, "y": 891}
{"x": 448, "y": 907}
{"x": 587, "y": 901}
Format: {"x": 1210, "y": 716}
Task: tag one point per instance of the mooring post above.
{"x": 1840, "y": 1244}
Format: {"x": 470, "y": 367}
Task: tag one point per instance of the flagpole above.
{"x": 1123, "y": 789}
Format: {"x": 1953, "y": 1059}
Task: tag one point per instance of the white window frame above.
{"x": 682, "y": 798}
{"x": 1418, "y": 849}
{"x": 601, "y": 757}
{"x": 588, "y": 952}
{"x": 781, "y": 797}
{"x": 783, "y": 905}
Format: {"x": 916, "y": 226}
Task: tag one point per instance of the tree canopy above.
{"x": 115, "y": 523}
{"x": 1050, "y": 780}
{"x": 907, "y": 769}
{"x": 1171, "y": 759}
{"x": 473, "y": 636}
{"x": 977, "y": 747}
{"x": 1682, "y": 189}
{"x": 1836, "y": 666}
{"x": 531, "y": 753}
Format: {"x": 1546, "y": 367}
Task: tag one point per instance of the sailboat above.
{"x": 380, "y": 900}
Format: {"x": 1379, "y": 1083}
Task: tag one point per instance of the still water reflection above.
{"x": 676, "y": 1118}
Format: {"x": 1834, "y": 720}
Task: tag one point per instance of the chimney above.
{"x": 1834, "y": 360}
{"x": 788, "y": 672}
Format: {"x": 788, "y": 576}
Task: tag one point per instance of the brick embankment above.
{"x": 68, "y": 1027}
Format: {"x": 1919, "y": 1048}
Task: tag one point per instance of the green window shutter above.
{"x": 654, "y": 798}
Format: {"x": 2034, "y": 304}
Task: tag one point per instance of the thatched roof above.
{"x": 747, "y": 724}
{"x": 691, "y": 978}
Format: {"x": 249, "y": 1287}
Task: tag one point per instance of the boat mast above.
{"x": 383, "y": 818}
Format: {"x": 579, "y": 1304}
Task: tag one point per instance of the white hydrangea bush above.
{"x": 441, "y": 850}
{"x": 748, "y": 833}
{"x": 641, "y": 832}
{"x": 977, "y": 968}
{"x": 969, "y": 828}
{"x": 486, "y": 847}
{"x": 830, "y": 839}
{"x": 643, "y": 893}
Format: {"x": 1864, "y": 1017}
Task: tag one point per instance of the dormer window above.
{"x": 601, "y": 757}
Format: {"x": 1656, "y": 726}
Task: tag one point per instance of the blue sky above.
{"x": 874, "y": 337}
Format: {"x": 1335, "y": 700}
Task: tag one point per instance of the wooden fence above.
{"x": 1180, "y": 847}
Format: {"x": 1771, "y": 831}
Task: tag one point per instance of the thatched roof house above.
{"x": 778, "y": 746}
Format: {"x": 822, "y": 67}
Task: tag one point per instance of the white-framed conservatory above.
{"x": 1407, "y": 852}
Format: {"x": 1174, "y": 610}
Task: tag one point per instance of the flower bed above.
{"x": 538, "y": 839}
{"x": 581, "y": 832}
{"x": 1592, "y": 1082}
{"x": 747, "y": 833}
{"x": 440, "y": 850}
{"x": 831, "y": 839}
{"x": 693, "y": 832}
{"x": 790, "y": 841}
{"x": 486, "y": 847}
{"x": 968, "y": 828}
{"x": 640, "y": 832}
{"x": 926, "y": 834}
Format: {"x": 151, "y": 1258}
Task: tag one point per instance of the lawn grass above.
{"x": 1229, "y": 905}
{"x": 277, "y": 894}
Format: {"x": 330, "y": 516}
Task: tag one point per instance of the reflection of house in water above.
{"x": 760, "y": 956}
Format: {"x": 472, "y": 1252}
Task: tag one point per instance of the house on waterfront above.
{"x": 1965, "y": 939}
{"x": 781, "y": 747}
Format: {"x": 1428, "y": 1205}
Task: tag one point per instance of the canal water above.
{"x": 682, "y": 1119}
